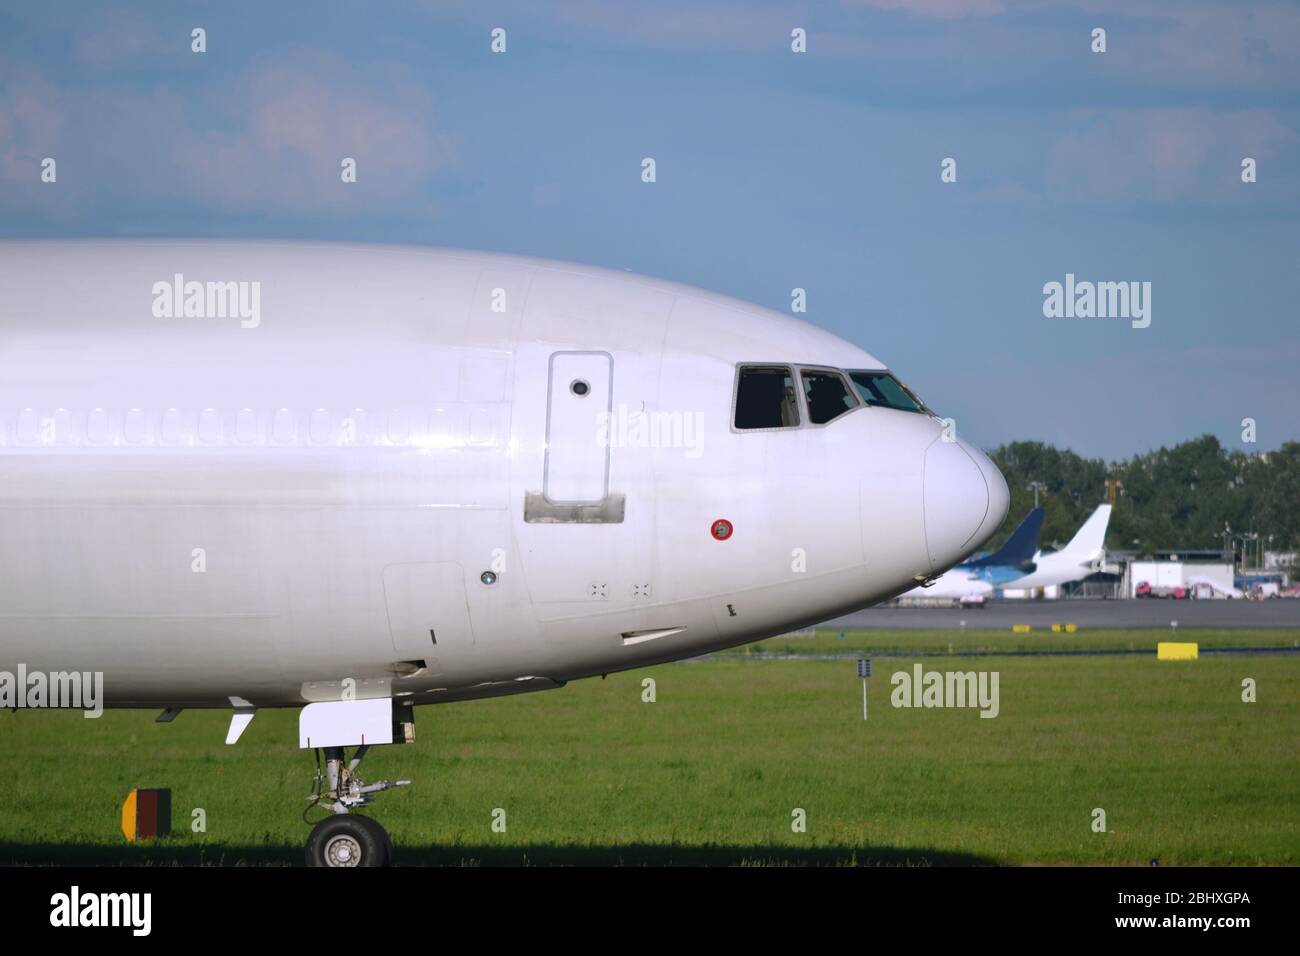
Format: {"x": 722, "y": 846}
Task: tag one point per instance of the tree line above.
{"x": 1197, "y": 494}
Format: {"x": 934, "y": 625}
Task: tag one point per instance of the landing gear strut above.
{"x": 344, "y": 838}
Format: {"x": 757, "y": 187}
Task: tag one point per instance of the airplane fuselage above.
{"x": 436, "y": 474}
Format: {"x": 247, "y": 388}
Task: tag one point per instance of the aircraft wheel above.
{"x": 345, "y": 839}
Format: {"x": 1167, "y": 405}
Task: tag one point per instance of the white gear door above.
{"x": 577, "y": 426}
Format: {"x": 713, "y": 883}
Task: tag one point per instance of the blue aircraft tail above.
{"x": 1020, "y": 547}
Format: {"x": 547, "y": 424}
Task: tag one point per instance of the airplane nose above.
{"x": 966, "y": 499}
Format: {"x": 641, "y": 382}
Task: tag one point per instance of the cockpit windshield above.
{"x": 767, "y": 396}
{"x": 882, "y": 389}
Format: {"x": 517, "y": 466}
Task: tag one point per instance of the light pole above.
{"x": 1036, "y": 486}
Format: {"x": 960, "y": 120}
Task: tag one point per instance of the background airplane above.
{"x": 1082, "y": 556}
{"x": 978, "y": 577}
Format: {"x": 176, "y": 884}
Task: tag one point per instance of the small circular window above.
{"x": 579, "y": 387}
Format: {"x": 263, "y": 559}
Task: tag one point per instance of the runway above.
{"x": 1086, "y": 613}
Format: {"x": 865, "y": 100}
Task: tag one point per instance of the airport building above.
{"x": 1203, "y": 573}
{"x": 1198, "y": 573}
{"x": 1281, "y": 561}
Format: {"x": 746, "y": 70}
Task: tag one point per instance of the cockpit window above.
{"x": 827, "y": 394}
{"x": 881, "y": 388}
{"x": 765, "y": 398}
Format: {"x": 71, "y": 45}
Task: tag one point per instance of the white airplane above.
{"x": 1078, "y": 559}
{"x": 955, "y": 584}
{"x": 972, "y": 582}
{"x": 351, "y": 479}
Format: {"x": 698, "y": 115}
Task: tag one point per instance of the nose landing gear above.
{"x": 344, "y": 838}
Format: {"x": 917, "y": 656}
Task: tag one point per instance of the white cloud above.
{"x": 1188, "y": 154}
{"x": 937, "y": 9}
{"x": 268, "y": 143}
{"x": 31, "y": 123}
{"x": 1204, "y": 44}
{"x": 295, "y": 120}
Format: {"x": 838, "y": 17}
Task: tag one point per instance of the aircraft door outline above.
{"x": 580, "y": 388}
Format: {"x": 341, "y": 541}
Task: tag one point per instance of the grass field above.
{"x": 896, "y": 643}
{"x": 712, "y": 770}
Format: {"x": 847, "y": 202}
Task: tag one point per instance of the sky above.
{"x": 774, "y": 170}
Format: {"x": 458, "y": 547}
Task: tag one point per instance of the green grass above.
{"x": 898, "y": 642}
{"x": 711, "y": 771}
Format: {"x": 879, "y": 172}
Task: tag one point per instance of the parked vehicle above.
{"x": 1145, "y": 590}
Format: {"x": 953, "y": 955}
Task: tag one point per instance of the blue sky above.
{"x": 775, "y": 170}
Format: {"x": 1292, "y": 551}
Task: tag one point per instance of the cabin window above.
{"x": 827, "y": 394}
{"x": 766, "y": 398}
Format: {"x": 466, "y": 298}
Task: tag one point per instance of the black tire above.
{"x": 345, "y": 839}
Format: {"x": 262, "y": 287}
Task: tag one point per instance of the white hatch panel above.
{"x": 427, "y": 612}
